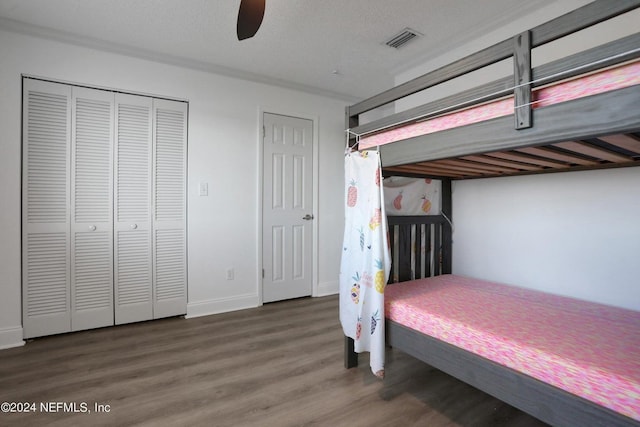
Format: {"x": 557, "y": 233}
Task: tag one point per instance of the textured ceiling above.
{"x": 334, "y": 47}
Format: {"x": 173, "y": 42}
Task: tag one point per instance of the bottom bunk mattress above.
{"x": 588, "y": 349}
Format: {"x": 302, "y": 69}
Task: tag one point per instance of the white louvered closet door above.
{"x": 45, "y": 208}
{"x": 103, "y": 208}
{"x": 132, "y": 197}
{"x": 169, "y": 203}
{"x": 91, "y": 209}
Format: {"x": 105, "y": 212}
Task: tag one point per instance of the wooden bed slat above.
{"x": 428, "y": 169}
{"x": 570, "y": 155}
{"x": 556, "y": 155}
{"x": 413, "y": 169}
{"x": 527, "y": 159}
{"x": 468, "y": 168}
{"x": 449, "y": 169}
{"x": 494, "y": 161}
{"x": 475, "y": 166}
{"x": 626, "y": 142}
{"x": 593, "y": 151}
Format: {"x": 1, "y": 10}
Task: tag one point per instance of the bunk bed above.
{"x": 580, "y": 112}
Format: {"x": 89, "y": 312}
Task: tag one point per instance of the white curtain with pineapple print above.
{"x": 365, "y": 265}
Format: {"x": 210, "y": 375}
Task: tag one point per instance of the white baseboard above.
{"x": 221, "y": 305}
{"x": 11, "y": 337}
{"x": 327, "y": 288}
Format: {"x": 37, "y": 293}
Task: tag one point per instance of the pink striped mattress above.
{"x": 587, "y": 349}
{"x": 592, "y": 84}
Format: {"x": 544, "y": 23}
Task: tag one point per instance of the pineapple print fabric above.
{"x": 365, "y": 265}
{"x": 412, "y": 196}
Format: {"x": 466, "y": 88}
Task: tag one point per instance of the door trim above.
{"x": 315, "y": 163}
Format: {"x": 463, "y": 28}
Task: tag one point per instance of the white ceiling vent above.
{"x": 402, "y": 38}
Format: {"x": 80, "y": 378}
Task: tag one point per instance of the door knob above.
{"x": 307, "y": 217}
{"x": 92, "y": 227}
{"x": 134, "y": 226}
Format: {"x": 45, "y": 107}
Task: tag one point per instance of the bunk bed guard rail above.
{"x": 520, "y": 84}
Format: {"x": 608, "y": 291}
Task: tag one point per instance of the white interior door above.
{"x": 287, "y": 207}
{"x": 46, "y": 132}
{"x": 91, "y": 208}
{"x": 169, "y": 207}
{"x": 132, "y": 197}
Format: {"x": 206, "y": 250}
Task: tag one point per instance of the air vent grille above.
{"x": 402, "y": 38}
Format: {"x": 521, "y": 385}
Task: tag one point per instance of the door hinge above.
{"x": 263, "y": 273}
{"x": 264, "y": 132}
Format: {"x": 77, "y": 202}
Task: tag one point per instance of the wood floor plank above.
{"x": 276, "y": 365}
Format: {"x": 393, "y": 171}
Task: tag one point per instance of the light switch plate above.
{"x": 204, "y": 189}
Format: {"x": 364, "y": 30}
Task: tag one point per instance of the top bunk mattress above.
{"x": 618, "y": 77}
{"x": 588, "y": 349}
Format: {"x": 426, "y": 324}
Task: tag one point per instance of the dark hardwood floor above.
{"x": 277, "y": 365}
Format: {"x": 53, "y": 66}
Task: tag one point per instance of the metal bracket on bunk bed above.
{"x": 522, "y": 76}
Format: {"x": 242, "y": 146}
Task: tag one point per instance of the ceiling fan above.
{"x": 249, "y": 18}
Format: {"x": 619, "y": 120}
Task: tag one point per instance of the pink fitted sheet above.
{"x": 587, "y": 349}
{"x": 592, "y": 84}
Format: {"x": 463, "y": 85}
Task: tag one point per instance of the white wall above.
{"x": 223, "y": 151}
{"x": 575, "y": 234}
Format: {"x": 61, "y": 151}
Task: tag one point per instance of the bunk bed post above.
{"x": 447, "y": 231}
{"x": 351, "y": 122}
{"x": 522, "y": 76}
{"x": 350, "y": 356}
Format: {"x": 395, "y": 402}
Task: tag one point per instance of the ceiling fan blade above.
{"x": 249, "y": 18}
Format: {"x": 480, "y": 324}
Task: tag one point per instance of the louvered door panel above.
{"x": 169, "y": 191}
{"x": 170, "y": 265}
{"x": 91, "y": 209}
{"x": 92, "y": 272}
{"x": 132, "y": 186}
{"x": 45, "y": 213}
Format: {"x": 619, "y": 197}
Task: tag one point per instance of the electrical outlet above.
{"x": 230, "y": 274}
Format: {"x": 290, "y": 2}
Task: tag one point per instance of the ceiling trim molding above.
{"x": 145, "y": 54}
